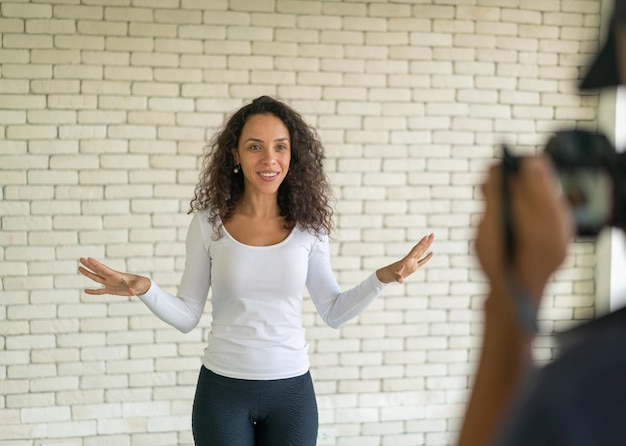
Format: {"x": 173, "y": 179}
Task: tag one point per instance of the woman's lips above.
{"x": 268, "y": 176}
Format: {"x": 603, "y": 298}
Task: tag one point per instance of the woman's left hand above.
{"x": 400, "y": 270}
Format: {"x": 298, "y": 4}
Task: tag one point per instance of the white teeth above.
{"x": 268, "y": 175}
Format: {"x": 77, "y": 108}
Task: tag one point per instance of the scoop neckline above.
{"x": 282, "y": 242}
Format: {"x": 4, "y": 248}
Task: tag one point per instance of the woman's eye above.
{"x": 254, "y": 148}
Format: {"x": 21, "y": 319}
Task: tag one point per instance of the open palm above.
{"x": 114, "y": 282}
{"x": 416, "y": 258}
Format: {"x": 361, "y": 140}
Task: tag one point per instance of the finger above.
{"x": 98, "y": 267}
{"x": 95, "y": 292}
{"x": 92, "y": 276}
{"x": 424, "y": 260}
{"x": 400, "y": 272}
{"x": 427, "y": 240}
{"x": 418, "y": 250}
{"x": 537, "y": 181}
{"x": 491, "y": 186}
{"x": 90, "y": 263}
{"x": 400, "y": 275}
{"x": 491, "y": 189}
{"x": 85, "y": 265}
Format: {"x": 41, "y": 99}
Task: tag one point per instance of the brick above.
{"x": 129, "y": 43}
{"x": 582, "y": 7}
{"x": 466, "y": 44}
{"x": 55, "y": 56}
{"x": 72, "y": 429}
{"x": 23, "y": 162}
{"x": 128, "y": 73}
{"x": 342, "y": 66}
{"x": 28, "y": 192}
{"x": 31, "y": 131}
{"x": 78, "y": 12}
{"x": 178, "y": 46}
{"x": 260, "y": 6}
{"x": 82, "y": 132}
{"x": 101, "y": 117}
{"x": 95, "y": 411}
{"x": 48, "y": 117}
{"x": 291, "y": 35}
{"x": 147, "y": 235}
{"x": 83, "y": 43}
{"x": 25, "y": 71}
{"x": 151, "y": 30}
{"x": 104, "y": 58}
{"x": 319, "y": 22}
{"x": 563, "y": 18}
{"x": 298, "y": 6}
{"x": 234, "y": 47}
{"x": 26, "y": 10}
{"x": 12, "y": 117}
{"x": 30, "y": 341}
{"x": 226, "y": 18}
{"x": 101, "y": 28}
{"x": 72, "y": 102}
{"x": 252, "y": 33}
{"x": 344, "y": 9}
{"x": 161, "y": 89}
{"x": 46, "y": 414}
{"x": 55, "y": 86}
{"x": 431, "y": 39}
{"x": 30, "y": 400}
{"x": 454, "y": 26}
{"x": 275, "y": 48}
{"x": 154, "y": 59}
{"x": 11, "y": 26}
{"x": 177, "y": 16}
{"x": 132, "y": 131}
{"x": 130, "y": 14}
{"x": 76, "y": 222}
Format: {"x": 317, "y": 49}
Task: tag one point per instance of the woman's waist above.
{"x": 256, "y": 359}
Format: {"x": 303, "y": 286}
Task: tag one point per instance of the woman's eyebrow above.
{"x": 253, "y": 139}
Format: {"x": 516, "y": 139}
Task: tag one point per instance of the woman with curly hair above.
{"x": 258, "y": 237}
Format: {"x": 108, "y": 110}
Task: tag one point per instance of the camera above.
{"x": 592, "y": 178}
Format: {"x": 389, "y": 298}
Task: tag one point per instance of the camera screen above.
{"x": 589, "y": 192}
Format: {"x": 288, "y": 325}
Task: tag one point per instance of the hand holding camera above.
{"x": 579, "y": 179}
{"x": 542, "y": 225}
{"x": 534, "y": 206}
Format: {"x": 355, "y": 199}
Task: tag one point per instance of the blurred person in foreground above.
{"x": 580, "y": 398}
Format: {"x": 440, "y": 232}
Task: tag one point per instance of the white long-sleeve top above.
{"x": 257, "y": 294}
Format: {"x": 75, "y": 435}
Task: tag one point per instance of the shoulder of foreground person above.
{"x": 580, "y": 397}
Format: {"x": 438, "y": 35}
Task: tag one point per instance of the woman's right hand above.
{"x": 114, "y": 282}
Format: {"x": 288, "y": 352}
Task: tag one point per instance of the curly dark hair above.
{"x": 304, "y": 195}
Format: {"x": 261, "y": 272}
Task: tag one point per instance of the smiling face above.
{"x": 264, "y": 152}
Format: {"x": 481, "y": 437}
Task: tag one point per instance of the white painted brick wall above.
{"x": 104, "y": 110}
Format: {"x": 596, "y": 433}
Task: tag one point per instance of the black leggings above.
{"x": 239, "y": 412}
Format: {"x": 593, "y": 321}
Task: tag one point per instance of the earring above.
{"x": 236, "y": 168}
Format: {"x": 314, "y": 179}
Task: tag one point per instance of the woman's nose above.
{"x": 268, "y": 156}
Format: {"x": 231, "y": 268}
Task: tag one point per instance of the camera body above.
{"x": 592, "y": 179}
